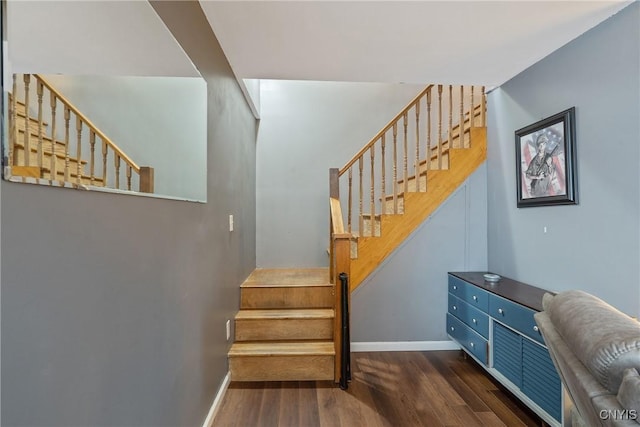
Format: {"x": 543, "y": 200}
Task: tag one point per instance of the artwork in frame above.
{"x": 545, "y": 161}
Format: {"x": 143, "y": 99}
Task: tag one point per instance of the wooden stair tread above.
{"x": 23, "y": 115}
{"x": 286, "y": 277}
{"x": 301, "y": 313}
{"x": 252, "y": 349}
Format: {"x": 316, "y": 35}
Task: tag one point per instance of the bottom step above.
{"x": 290, "y": 361}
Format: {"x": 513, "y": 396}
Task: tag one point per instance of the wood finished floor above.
{"x": 436, "y": 388}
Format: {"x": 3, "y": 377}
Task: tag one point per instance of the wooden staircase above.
{"x": 285, "y": 327}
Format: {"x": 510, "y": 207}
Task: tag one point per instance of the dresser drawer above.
{"x": 469, "y": 339}
{"x": 514, "y": 315}
{"x": 475, "y": 296}
{"x": 471, "y": 316}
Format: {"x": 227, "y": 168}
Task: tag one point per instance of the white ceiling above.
{"x": 471, "y": 42}
{"x": 125, "y": 38}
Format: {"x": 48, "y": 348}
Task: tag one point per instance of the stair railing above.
{"x": 70, "y": 147}
{"x": 340, "y": 263}
{"x": 396, "y": 160}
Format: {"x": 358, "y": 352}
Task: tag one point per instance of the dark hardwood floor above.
{"x": 436, "y": 388}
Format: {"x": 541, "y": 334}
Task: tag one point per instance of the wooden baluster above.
{"x": 92, "y": 160}
{"x": 429, "y": 154}
{"x": 472, "y": 115}
{"x": 128, "y": 177}
{"x": 350, "y": 213}
{"x": 439, "y": 127}
{"x": 67, "y": 117}
{"x": 483, "y": 109}
{"x": 40, "y": 151}
{"x": 383, "y": 203}
{"x": 361, "y": 219}
{"x": 53, "y": 102}
{"x": 13, "y": 138}
{"x": 105, "y": 152}
{"x": 27, "y": 134}
{"x": 79, "y": 151}
{"x": 461, "y": 125}
{"x": 450, "y": 137}
{"x": 372, "y": 207}
{"x": 406, "y": 172}
{"x": 417, "y": 164}
{"x": 116, "y": 161}
{"x": 395, "y": 168}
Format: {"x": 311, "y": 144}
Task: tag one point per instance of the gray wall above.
{"x": 405, "y": 299}
{"x": 595, "y": 245}
{"x": 307, "y": 128}
{"x": 113, "y": 306}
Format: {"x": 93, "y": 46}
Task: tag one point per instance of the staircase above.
{"x": 62, "y": 152}
{"x": 289, "y": 326}
{"x": 285, "y": 327}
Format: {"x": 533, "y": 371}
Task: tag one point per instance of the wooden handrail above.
{"x": 336, "y": 217}
{"x": 90, "y": 124}
{"x": 384, "y": 129}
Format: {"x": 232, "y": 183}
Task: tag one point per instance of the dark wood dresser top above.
{"x": 521, "y": 293}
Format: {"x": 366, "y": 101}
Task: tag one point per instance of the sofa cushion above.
{"x": 629, "y": 393}
{"x": 605, "y": 340}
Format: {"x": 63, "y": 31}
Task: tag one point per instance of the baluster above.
{"x": 105, "y": 151}
{"x": 417, "y": 167}
{"x": 128, "y": 177}
{"x": 406, "y": 172}
{"x": 483, "y": 108}
{"x": 14, "y": 123}
{"x": 429, "y": 153}
{"x": 40, "y": 151}
{"x": 361, "y": 220}
{"x": 116, "y": 161}
{"x": 461, "y": 125}
{"x": 383, "y": 204}
{"x": 67, "y": 116}
{"x": 53, "y": 102}
{"x": 92, "y": 160}
{"x": 372, "y": 208}
{"x": 395, "y": 168}
{"x": 79, "y": 151}
{"x": 439, "y": 127}
{"x": 450, "y": 137}
{"x": 472, "y": 115}
{"x": 349, "y": 215}
{"x": 27, "y": 134}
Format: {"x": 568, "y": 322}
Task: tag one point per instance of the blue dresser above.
{"x": 493, "y": 323}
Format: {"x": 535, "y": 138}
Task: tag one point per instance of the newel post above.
{"x": 146, "y": 179}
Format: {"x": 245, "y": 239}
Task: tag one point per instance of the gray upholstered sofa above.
{"x": 596, "y": 350}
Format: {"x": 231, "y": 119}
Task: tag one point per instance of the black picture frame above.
{"x": 546, "y": 161}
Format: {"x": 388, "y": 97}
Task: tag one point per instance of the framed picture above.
{"x": 545, "y": 161}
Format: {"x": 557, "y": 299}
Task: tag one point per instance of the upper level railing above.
{"x": 55, "y": 152}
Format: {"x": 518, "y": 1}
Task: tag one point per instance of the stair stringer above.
{"x": 417, "y": 207}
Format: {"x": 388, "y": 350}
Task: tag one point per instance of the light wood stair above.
{"x": 284, "y": 329}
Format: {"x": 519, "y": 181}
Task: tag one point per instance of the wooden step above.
{"x": 366, "y": 224}
{"x": 282, "y": 361}
{"x": 287, "y": 288}
{"x": 33, "y": 124}
{"x": 284, "y": 324}
{"x": 58, "y": 146}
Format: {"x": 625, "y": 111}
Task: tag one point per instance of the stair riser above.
{"x": 281, "y": 368}
{"x": 60, "y": 163}
{"x": 287, "y": 297}
{"x": 59, "y": 147}
{"x": 284, "y": 329}
{"x": 33, "y": 126}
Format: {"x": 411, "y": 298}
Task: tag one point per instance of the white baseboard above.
{"x": 404, "y": 346}
{"x": 208, "y": 422}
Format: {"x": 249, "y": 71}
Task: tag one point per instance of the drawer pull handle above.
{"x": 501, "y": 311}
{"x": 475, "y": 298}
{"x": 455, "y": 287}
{"x": 535, "y": 328}
{"x": 453, "y": 329}
{"x": 472, "y": 345}
{"x": 474, "y": 321}
{"x": 455, "y": 308}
